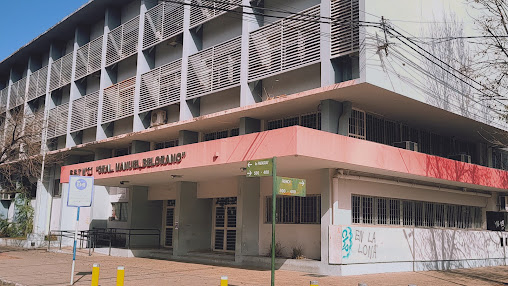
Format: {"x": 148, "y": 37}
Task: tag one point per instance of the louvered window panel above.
{"x": 18, "y": 91}
{"x": 88, "y": 58}
{"x": 34, "y": 126}
{"x": 345, "y": 29}
{"x": 122, "y": 41}
{"x": 162, "y": 22}
{"x": 161, "y": 86}
{"x": 118, "y": 100}
{"x": 215, "y": 68}
{"x": 205, "y": 10}
{"x": 61, "y": 72}
{"x": 37, "y": 83}
{"x": 3, "y": 100}
{"x": 84, "y": 112}
{"x": 284, "y": 45}
{"x": 57, "y": 121}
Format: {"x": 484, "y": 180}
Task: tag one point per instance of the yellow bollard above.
{"x": 224, "y": 281}
{"x": 95, "y": 274}
{"x": 314, "y": 283}
{"x": 120, "y": 274}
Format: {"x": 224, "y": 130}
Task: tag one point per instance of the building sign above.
{"x": 130, "y": 165}
{"x": 80, "y": 191}
{"x": 291, "y": 186}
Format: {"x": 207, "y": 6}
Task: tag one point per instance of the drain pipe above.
{"x": 335, "y": 195}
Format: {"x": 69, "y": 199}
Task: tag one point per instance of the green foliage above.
{"x": 278, "y": 250}
{"x": 297, "y": 253}
{"x": 22, "y": 224}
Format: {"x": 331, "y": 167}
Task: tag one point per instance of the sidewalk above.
{"x": 38, "y": 267}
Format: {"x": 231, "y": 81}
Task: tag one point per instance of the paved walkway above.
{"x": 38, "y": 267}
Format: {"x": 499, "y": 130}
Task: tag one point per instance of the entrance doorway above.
{"x": 224, "y": 232}
{"x": 169, "y": 223}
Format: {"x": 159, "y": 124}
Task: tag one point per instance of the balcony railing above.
{"x": 18, "y": 91}
{"x": 118, "y": 100}
{"x": 3, "y": 99}
{"x": 122, "y": 41}
{"x": 84, "y": 112}
{"x": 34, "y": 125}
{"x": 162, "y": 22}
{"x": 345, "y": 29}
{"x": 88, "y": 58}
{"x": 61, "y": 72}
{"x": 57, "y": 121}
{"x": 287, "y": 44}
{"x": 161, "y": 86}
{"x": 215, "y": 68}
{"x": 37, "y": 83}
{"x": 205, "y": 10}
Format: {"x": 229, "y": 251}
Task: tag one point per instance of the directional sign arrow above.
{"x": 302, "y": 183}
{"x": 249, "y": 173}
{"x": 249, "y": 164}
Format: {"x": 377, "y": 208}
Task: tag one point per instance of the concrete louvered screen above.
{"x": 57, "y": 121}
{"x": 161, "y": 86}
{"x": 345, "y": 31}
{"x": 61, "y": 72}
{"x": 34, "y": 126}
{"x": 84, "y": 112}
{"x": 37, "y": 83}
{"x": 162, "y": 22}
{"x": 122, "y": 41}
{"x": 88, "y": 58}
{"x": 215, "y": 68}
{"x": 284, "y": 45}
{"x": 118, "y": 101}
{"x": 18, "y": 91}
{"x": 3, "y": 100}
{"x": 204, "y": 10}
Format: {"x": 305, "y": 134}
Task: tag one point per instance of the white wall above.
{"x": 292, "y": 82}
{"x": 123, "y": 126}
{"x": 164, "y": 192}
{"x": 126, "y": 69}
{"x": 166, "y": 53}
{"x": 220, "y": 101}
{"x": 130, "y": 11}
{"x": 222, "y": 29}
{"x": 291, "y": 6}
{"x": 227, "y": 187}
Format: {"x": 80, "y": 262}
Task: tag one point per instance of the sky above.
{"x": 22, "y": 21}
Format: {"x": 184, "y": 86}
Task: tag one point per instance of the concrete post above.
{"x": 326, "y": 212}
{"x": 331, "y": 111}
{"x": 347, "y": 109}
{"x": 249, "y": 125}
{"x": 187, "y": 137}
{"x": 325, "y": 29}
{"x": 140, "y": 146}
{"x": 247, "y": 220}
{"x": 103, "y": 154}
{"x": 143, "y": 214}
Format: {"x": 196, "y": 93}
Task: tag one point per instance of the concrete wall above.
{"x": 143, "y": 213}
{"x": 126, "y": 69}
{"x": 292, "y": 82}
{"x": 166, "y": 53}
{"x": 226, "y": 187}
{"x": 220, "y": 101}
{"x": 220, "y": 30}
{"x": 130, "y": 11}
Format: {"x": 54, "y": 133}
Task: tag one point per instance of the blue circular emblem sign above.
{"x": 81, "y": 184}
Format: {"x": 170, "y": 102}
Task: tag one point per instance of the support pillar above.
{"x": 143, "y": 214}
{"x": 140, "y": 146}
{"x": 249, "y": 125}
{"x": 326, "y": 211}
{"x": 347, "y": 109}
{"x": 247, "y": 221}
{"x": 187, "y": 137}
{"x": 331, "y": 111}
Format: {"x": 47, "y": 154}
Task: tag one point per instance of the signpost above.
{"x": 280, "y": 186}
{"x": 80, "y": 195}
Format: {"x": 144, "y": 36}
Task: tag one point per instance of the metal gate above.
{"x": 224, "y": 234}
{"x": 169, "y": 223}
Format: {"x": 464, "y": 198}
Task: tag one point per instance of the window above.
{"x": 383, "y": 211}
{"x": 166, "y": 144}
{"x": 121, "y": 152}
{"x": 57, "y": 188}
{"x": 295, "y": 210}
{"x": 309, "y": 120}
{"x": 357, "y": 124}
{"x": 119, "y": 211}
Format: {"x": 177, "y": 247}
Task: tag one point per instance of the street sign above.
{"x": 291, "y": 187}
{"x": 80, "y": 191}
{"x": 260, "y": 168}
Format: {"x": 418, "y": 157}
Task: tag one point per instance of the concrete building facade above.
{"x": 164, "y": 102}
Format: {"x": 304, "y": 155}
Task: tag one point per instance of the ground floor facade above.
{"x": 369, "y": 208}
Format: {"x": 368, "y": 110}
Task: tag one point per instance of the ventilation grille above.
{"x": 215, "y": 68}
{"x": 3, "y": 100}
{"x": 345, "y": 31}
{"x": 122, "y": 41}
{"x": 37, "y": 83}
{"x": 162, "y": 22}
{"x": 61, "y": 72}
{"x": 18, "y": 91}
{"x": 88, "y": 58}
{"x": 84, "y": 112}
{"x": 204, "y": 10}
{"x": 57, "y": 121}
{"x": 284, "y": 45}
{"x": 161, "y": 86}
{"x": 118, "y": 100}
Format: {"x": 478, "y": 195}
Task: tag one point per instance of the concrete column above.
{"x": 191, "y": 45}
{"x": 326, "y": 211}
{"x": 347, "y": 109}
{"x": 331, "y": 111}
{"x": 140, "y": 146}
{"x": 145, "y": 62}
{"x": 143, "y": 213}
{"x": 490, "y": 162}
{"x": 247, "y": 219}
{"x": 193, "y": 217}
{"x": 325, "y": 29}
{"x": 81, "y": 37}
{"x": 111, "y": 21}
{"x": 187, "y": 137}
{"x": 249, "y": 23}
{"x": 102, "y": 154}
{"x": 249, "y": 125}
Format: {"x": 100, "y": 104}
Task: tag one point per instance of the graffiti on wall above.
{"x": 366, "y": 241}
{"x": 347, "y": 242}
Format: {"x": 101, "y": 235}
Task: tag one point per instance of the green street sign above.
{"x": 260, "y": 168}
{"x": 291, "y": 187}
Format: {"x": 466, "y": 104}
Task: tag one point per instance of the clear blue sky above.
{"x": 21, "y": 21}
